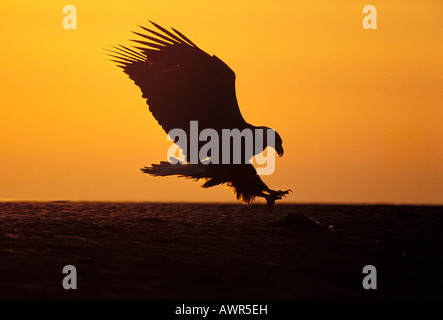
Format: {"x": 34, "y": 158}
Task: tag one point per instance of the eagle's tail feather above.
{"x": 164, "y": 168}
{"x": 210, "y": 175}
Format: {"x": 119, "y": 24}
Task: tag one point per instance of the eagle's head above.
{"x": 277, "y": 144}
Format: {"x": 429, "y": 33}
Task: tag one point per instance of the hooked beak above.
{"x": 280, "y": 151}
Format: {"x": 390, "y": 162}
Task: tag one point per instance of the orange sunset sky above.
{"x": 359, "y": 111}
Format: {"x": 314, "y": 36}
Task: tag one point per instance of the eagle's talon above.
{"x": 274, "y": 195}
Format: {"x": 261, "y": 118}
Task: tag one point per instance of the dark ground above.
{"x": 219, "y": 251}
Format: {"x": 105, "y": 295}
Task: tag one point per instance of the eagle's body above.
{"x": 182, "y": 83}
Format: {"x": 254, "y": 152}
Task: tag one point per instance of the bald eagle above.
{"x": 183, "y": 84}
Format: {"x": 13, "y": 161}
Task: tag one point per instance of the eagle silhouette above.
{"x": 182, "y": 83}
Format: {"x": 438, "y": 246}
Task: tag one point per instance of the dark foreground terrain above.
{"x": 219, "y": 251}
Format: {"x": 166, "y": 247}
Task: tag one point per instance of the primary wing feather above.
{"x": 180, "y": 81}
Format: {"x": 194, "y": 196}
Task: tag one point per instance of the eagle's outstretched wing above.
{"x": 180, "y": 81}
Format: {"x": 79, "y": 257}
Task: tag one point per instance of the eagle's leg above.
{"x": 274, "y": 195}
